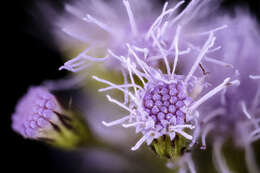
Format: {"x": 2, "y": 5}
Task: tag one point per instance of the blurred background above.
{"x": 33, "y": 57}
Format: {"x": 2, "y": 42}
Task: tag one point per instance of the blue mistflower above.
{"x": 166, "y": 103}
{"x": 160, "y": 97}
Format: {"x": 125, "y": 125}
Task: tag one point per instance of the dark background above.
{"x": 32, "y": 58}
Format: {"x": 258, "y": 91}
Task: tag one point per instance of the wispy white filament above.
{"x": 157, "y": 57}
{"x": 209, "y": 43}
{"x": 184, "y": 134}
{"x": 209, "y": 95}
{"x": 75, "y": 35}
{"x": 131, "y": 17}
{"x": 213, "y": 30}
{"x": 214, "y": 49}
{"x": 190, "y": 163}
{"x": 185, "y": 11}
{"x": 182, "y": 126}
{"x": 163, "y": 53}
{"x": 175, "y": 43}
{"x": 209, "y": 59}
{"x": 213, "y": 114}
{"x": 91, "y": 19}
{"x": 219, "y": 161}
{"x": 141, "y": 141}
{"x": 145, "y": 51}
{"x": 244, "y": 109}
{"x": 254, "y": 76}
{"x": 205, "y": 132}
{"x": 139, "y": 61}
{"x": 116, "y": 122}
{"x": 196, "y": 133}
{"x": 217, "y": 62}
{"x": 119, "y": 104}
{"x": 159, "y": 18}
{"x": 79, "y": 63}
{"x": 132, "y": 124}
{"x": 117, "y": 87}
{"x": 256, "y": 100}
{"x": 125, "y": 82}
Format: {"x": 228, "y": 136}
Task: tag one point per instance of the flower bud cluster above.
{"x": 39, "y": 116}
{"x": 166, "y": 104}
{"x": 35, "y": 113}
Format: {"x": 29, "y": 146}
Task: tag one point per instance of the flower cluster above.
{"x": 166, "y": 104}
{"x": 39, "y": 116}
{"x": 36, "y": 113}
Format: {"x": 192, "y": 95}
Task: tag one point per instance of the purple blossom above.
{"x": 163, "y": 93}
{"x": 235, "y": 113}
{"x": 35, "y": 113}
{"x": 169, "y": 99}
{"x": 39, "y": 116}
{"x": 149, "y": 35}
{"x": 168, "y": 102}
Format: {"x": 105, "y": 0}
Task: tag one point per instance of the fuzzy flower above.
{"x": 39, "y": 116}
{"x": 153, "y": 38}
{"x": 165, "y": 103}
{"x": 163, "y": 90}
{"x": 235, "y": 113}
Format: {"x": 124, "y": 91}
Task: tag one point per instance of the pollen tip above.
{"x": 108, "y": 97}
{"x": 105, "y": 123}
{"x": 62, "y": 68}
{"x": 134, "y": 148}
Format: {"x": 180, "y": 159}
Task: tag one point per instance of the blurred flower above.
{"x": 39, "y": 116}
{"x": 150, "y": 37}
{"x": 235, "y": 113}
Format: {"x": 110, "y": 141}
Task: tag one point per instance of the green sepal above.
{"x": 70, "y": 132}
{"x": 168, "y": 149}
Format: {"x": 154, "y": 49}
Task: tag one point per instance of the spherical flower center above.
{"x": 166, "y": 103}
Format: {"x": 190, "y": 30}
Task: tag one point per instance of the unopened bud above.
{"x": 39, "y": 116}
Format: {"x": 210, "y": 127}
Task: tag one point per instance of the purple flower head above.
{"x": 153, "y": 49}
{"x": 153, "y": 109}
{"x": 165, "y": 103}
{"x": 35, "y": 113}
{"x": 158, "y": 102}
{"x": 39, "y": 116}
